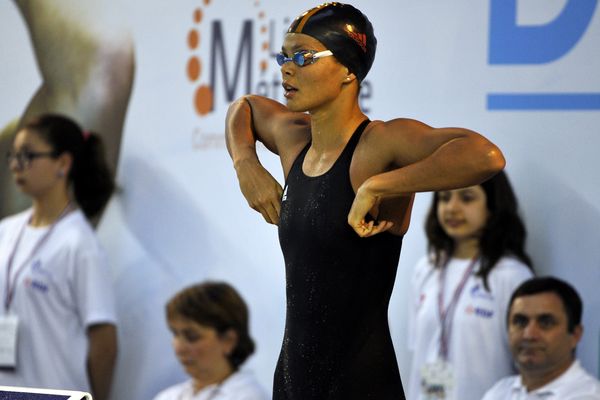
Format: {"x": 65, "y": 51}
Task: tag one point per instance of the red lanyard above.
{"x": 447, "y": 315}
{"x": 10, "y": 289}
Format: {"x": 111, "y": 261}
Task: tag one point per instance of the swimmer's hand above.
{"x": 261, "y": 190}
{"x": 363, "y": 203}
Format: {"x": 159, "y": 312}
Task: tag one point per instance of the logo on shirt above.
{"x": 479, "y": 312}
{"x": 36, "y": 267}
{"x": 479, "y": 292}
{"x": 36, "y": 285}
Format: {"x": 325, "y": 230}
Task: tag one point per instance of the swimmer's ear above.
{"x": 350, "y": 77}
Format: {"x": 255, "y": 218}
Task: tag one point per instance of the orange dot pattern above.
{"x": 194, "y": 68}
{"x": 203, "y": 95}
{"x": 193, "y": 39}
{"x": 197, "y": 16}
{"x": 265, "y": 44}
{"x": 203, "y": 100}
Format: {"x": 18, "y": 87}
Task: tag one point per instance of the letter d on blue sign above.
{"x": 512, "y": 44}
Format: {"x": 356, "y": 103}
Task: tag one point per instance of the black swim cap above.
{"x": 344, "y": 30}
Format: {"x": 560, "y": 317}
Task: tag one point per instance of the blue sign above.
{"x": 512, "y": 44}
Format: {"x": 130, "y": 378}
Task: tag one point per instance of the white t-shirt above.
{"x": 241, "y": 385}
{"x": 574, "y": 384}
{"x": 478, "y": 345}
{"x": 63, "y": 289}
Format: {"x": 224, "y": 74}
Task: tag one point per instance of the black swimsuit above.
{"x": 337, "y": 343}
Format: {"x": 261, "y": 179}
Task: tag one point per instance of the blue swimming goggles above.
{"x": 302, "y": 58}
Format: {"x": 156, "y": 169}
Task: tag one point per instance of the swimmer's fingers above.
{"x": 366, "y": 229}
{"x": 268, "y": 204}
{"x": 380, "y": 227}
{"x": 270, "y": 211}
{"x": 363, "y": 202}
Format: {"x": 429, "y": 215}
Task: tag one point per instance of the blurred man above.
{"x": 544, "y": 327}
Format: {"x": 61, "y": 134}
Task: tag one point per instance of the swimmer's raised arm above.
{"x": 252, "y": 118}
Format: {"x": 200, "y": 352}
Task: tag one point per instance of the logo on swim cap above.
{"x": 359, "y": 38}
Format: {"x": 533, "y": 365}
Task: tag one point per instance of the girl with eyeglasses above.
{"x": 345, "y": 204}
{"x": 58, "y": 319}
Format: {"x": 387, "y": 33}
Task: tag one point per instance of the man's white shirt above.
{"x": 574, "y": 384}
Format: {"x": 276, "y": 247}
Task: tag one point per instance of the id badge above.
{"x": 8, "y": 341}
{"x": 437, "y": 380}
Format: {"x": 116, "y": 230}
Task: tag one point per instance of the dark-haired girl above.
{"x": 58, "y": 309}
{"x": 461, "y": 290}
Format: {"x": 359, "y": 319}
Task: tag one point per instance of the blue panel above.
{"x": 513, "y": 44}
{"x": 543, "y": 101}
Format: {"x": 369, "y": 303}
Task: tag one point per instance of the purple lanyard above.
{"x": 10, "y": 289}
{"x": 447, "y": 315}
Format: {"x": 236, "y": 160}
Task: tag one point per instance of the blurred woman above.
{"x": 461, "y": 290}
{"x": 53, "y": 273}
{"x": 211, "y": 340}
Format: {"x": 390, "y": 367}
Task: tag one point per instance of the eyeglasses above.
{"x": 303, "y": 58}
{"x": 25, "y": 158}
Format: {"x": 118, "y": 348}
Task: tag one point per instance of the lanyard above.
{"x": 10, "y": 289}
{"x": 447, "y": 315}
